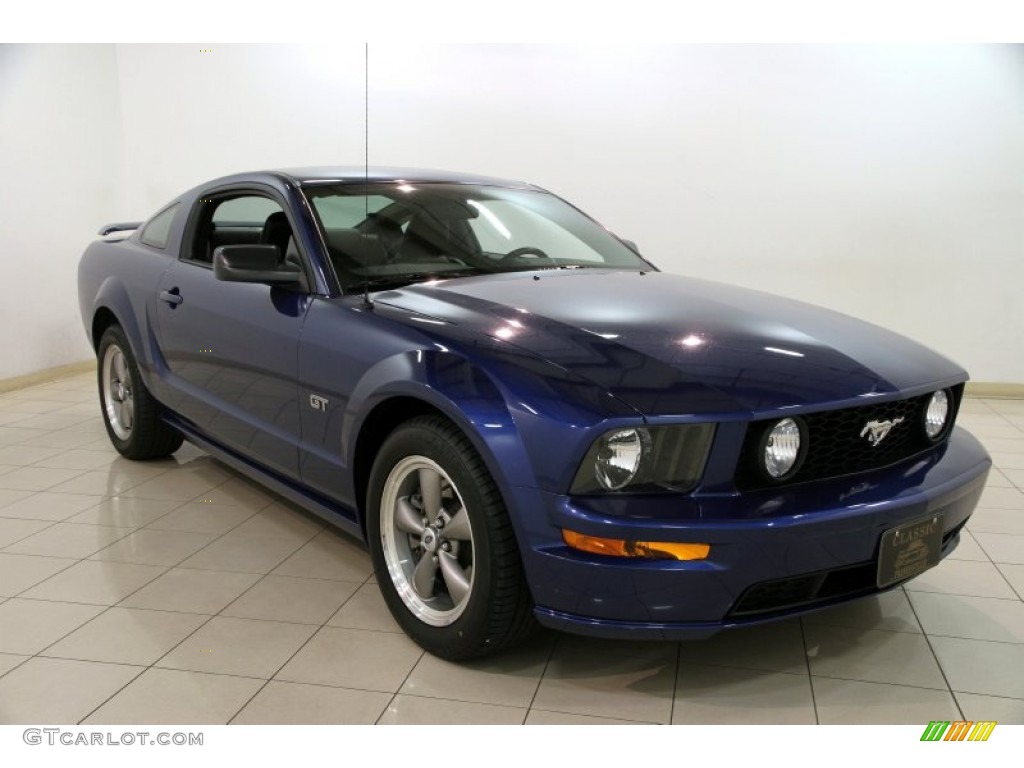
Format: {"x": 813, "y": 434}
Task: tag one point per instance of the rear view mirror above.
{"x": 254, "y": 264}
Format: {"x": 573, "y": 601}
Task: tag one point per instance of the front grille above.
{"x": 805, "y": 591}
{"x": 820, "y": 588}
{"x": 836, "y": 446}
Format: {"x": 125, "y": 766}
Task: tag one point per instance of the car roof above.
{"x": 349, "y": 174}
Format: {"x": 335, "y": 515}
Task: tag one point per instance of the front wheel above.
{"x": 130, "y": 413}
{"x": 443, "y": 548}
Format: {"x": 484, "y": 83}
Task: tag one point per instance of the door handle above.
{"x": 172, "y": 297}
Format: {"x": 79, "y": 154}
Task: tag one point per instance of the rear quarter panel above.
{"x": 122, "y": 277}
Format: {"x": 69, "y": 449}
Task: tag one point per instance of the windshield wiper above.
{"x": 381, "y": 282}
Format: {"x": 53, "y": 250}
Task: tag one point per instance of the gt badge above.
{"x": 318, "y": 403}
{"x": 876, "y": 431}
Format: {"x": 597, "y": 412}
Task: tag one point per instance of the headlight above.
{"x": 645, "y": 459}
{"x": 936, "y": 415}
{"x": 781, "y": 449}
{"x": 618, "y": 457}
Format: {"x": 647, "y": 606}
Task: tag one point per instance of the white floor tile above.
{"x": 1002, "y": 547}
{"x": 1003, "y": 711}
{"x": 229, "y": 646}
{"x": 299, "y": 704}
{"x": 854, "y": 702}
{"x": 731, "y": 696}
{"x": 95, "y": 582}
{"x": 27, "y": 693}
{"x": 618, "y": 687}
{"x": 127, "y": 636}
{"x": 777, "y": 647}
{"x": 412, "y": 710}
{"x": 979, "y": 618}
{"x": 963, "y": 577}
{"x": 55, "y": 507}
{"x": 900, "y": 658}
{"x": 161, "y": 696}
{"x": 968, "y": 549}
{"x": 980, "y": 666}
{"x": 354, "y": 658}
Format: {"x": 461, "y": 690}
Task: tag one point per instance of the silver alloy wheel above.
{"x": 118, "y": 397}
{"x": 427, "y": 540}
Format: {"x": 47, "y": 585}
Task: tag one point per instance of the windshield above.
{"x": 384, "y": 235}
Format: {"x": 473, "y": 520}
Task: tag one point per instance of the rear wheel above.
{"x": 443, "y": 548}
{"x": 130, "y": 413}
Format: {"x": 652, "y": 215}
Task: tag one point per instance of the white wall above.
{"x": 884, "y": 182}
{"x": 887, "y": 183}
{"x": 191, "y": 116}
{"x": 60, "y": 133}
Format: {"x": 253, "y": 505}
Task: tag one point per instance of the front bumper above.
{"x": 774, "y": 553}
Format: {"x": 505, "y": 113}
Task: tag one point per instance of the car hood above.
{"x": 672, "y": 345}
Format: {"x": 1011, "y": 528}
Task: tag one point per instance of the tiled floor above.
{"x": 178, "y": 592}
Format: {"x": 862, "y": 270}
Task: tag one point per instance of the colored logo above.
{"x": 960, "y": 730}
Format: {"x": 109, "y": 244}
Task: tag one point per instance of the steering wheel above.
{"x": 526, "y": 250}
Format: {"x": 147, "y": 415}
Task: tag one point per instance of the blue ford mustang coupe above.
{"x": 522, "y": 417}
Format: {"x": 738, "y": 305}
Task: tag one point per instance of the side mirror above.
{"x": 631, "y": 245}
{"x": 254, "y": 264}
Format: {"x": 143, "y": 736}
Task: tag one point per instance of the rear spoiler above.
{"x": 123, "y": 226}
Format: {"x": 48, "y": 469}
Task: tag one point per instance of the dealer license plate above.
{"x": 909, "y": 549}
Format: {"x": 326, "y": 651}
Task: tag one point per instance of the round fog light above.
{"x": 618, "y": 458}
{"x": 936, "y": 416}
{"x": 782, "y": 449}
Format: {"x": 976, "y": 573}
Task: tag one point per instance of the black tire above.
{"x": 145, "y": 436}
{"x": 497, "y": 611}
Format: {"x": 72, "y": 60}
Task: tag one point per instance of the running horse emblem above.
{"x": 876, "y": 431}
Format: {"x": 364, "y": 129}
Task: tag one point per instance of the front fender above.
{"x": 525, "y": 416}
{"x": 464, "y": 392}
{"x": 517, "y": 423}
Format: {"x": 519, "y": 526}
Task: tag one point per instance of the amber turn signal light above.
{"x": 654, "y": 550}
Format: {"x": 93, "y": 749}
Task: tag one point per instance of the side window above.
{"x": 155, "y": 232}
{"x": 244, "y": 211}
{"x": 240, "y": 219}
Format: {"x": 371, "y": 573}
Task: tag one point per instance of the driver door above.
{"x": 231, "y": 348}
